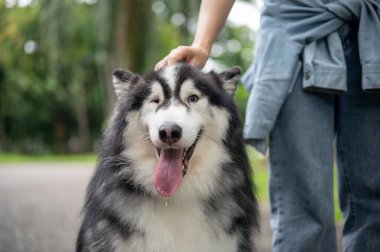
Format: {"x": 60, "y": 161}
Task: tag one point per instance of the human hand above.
{"x": 193, "y": 55}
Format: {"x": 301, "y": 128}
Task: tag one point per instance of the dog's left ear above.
{"x": 122, "y": 81}
{"x": 230, "y": 79}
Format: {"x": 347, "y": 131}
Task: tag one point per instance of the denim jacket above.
{"x": 300, "y": 39}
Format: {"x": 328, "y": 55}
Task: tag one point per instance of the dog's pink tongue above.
{"x": 168, "y": 174}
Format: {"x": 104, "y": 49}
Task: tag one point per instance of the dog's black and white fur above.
{"x": 138, "y": 202}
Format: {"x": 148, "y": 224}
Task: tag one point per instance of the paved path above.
{"x": 40, "y": 207}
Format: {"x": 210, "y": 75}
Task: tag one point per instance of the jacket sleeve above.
{"x": 300, "y": 39}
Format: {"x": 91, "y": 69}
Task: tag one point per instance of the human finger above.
{"x": 160, "y": 64}
{"x": 177, "y": 54}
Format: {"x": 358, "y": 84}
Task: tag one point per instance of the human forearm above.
{"x": 212, "y": 16}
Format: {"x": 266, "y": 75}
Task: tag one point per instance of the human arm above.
{"x": 212, "y": 16}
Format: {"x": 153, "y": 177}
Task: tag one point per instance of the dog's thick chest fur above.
{"x": 173, "y": 174}
{"x": 180, "y": 227}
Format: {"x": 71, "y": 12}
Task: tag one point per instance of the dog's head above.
{"x": 174, "y": 110}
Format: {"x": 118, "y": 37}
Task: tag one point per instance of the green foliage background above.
{"x": 56, "y": 60}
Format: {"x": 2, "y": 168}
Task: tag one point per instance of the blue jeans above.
{"x": 301, "y": 166}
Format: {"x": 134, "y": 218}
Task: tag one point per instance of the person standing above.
{"x": 313, "y": 85}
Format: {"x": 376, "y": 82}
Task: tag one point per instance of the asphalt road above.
{"x": 40, "y": 207}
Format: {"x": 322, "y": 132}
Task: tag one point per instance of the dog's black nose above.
{"x": 170, "y": 133}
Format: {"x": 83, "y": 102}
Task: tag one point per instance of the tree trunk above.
{"x": 60, "y": 132}
{"x": 133, "y": 24}
{"x": 80, "y": 94}
{"x": 124, "y": 31}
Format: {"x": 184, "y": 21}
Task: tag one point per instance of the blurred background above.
{"x": 56, "y": 61}
{"x": 57, "y": 57}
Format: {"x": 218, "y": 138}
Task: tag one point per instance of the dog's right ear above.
{"x": 122, "y": 81}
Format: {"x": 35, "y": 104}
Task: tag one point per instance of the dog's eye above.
{"x": 155, "y": 100}
{"x": 192, "y": 98}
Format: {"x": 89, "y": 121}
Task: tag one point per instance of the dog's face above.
{"x": 178, "y": 108}
{"x": 174, "y": 113}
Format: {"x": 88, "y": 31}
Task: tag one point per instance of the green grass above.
{"x": 22, "y": 158}
{"x": 338, "y": 213}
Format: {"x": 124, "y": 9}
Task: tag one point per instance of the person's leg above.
{"x": 301, "y": 174}
{"x": 358, "y": 149}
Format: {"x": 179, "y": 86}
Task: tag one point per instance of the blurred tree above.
{"x": 57, "y": 58}
{"x": 48, "y": 70}
{"x": 70, "y": 46}
{"x": 127, "y": 26}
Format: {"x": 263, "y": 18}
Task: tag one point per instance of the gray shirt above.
{"x": 304, "y": 36}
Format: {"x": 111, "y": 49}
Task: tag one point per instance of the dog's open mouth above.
{"x": 172, "y": 166}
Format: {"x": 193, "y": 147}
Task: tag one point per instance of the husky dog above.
{"x": 173, "y": 174}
